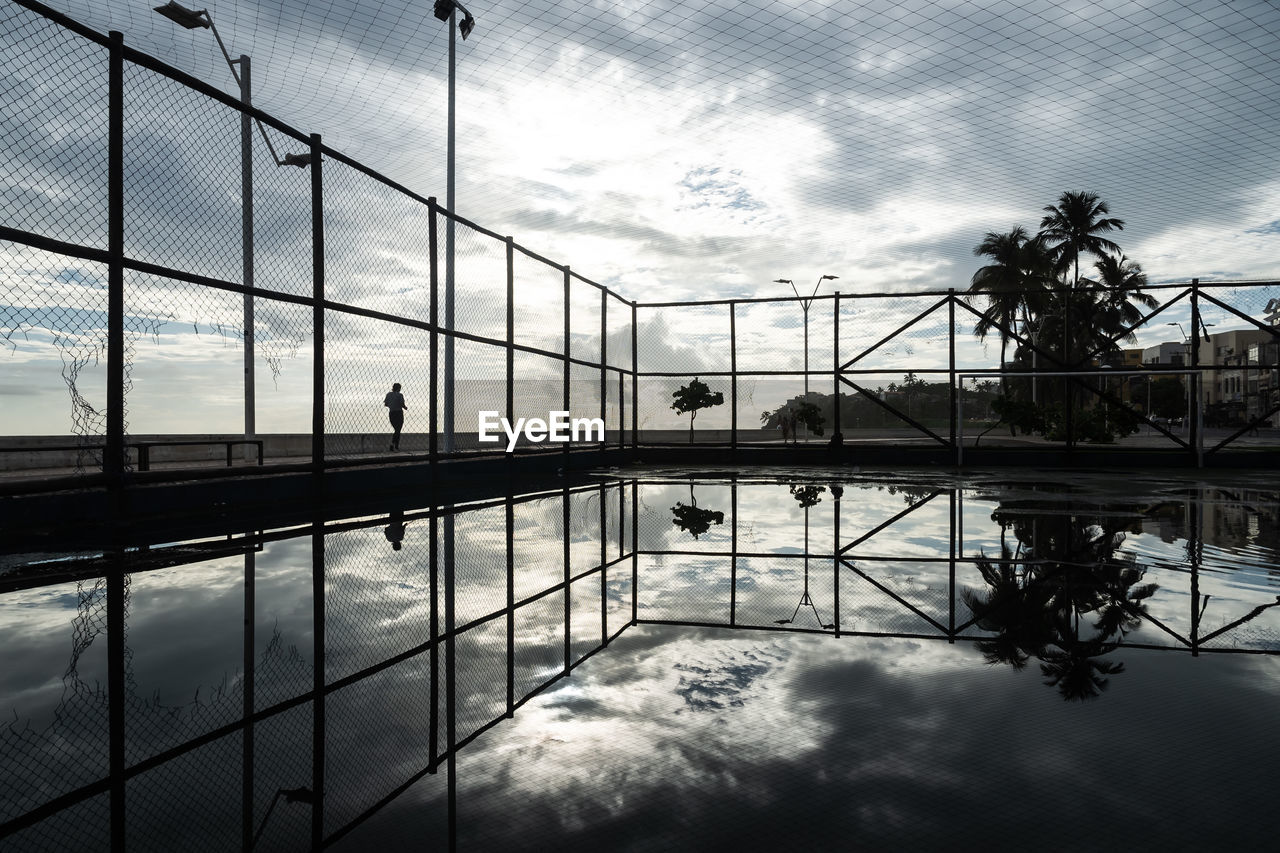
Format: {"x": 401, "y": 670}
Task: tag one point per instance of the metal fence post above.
{"x": 835, "y": 372}
{"x": 511, "y": 600}
{"x": 733, "y": 376}
{"x": 951, "y": 346}
{"x": 317, "y": 310}
{"x": 511, "y": 330}
{"x": 568, "y": 372}
{"x": 433, "y": 248}
{"x": 1193, "y": 381}
{"x": 604, "y": 360}
{"x": 247, "y": 251}
{"x": 635, "y": 382}
{"x": 113, "y": 460}
{"x": 317, "y": 656}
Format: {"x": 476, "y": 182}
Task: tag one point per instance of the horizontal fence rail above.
{"x": 172, "y": 258}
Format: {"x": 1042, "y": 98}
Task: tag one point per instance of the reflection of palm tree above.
{"x": 1074, "y": 667}
{"x": 1014, "y": 613}
{"x": 1069, "y": 567}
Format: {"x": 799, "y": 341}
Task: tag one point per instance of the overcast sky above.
{"x": 704, "y": 149}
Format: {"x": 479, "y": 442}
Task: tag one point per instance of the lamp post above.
{"x": 805, "y": 302}
{"x": 447, "y": 10}
{"x": 191, "y": 19}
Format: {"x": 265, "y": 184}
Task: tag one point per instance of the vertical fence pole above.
{"x": 838, "y": 492}
{"x": 568, "y": 277}
{"x": 451, "y": 668}
{"x": 317, "y": 309}
{"x": 604, "y": 559}
{"x": 113, "y": 455}
{"x": 604, "y": 360}
{"x": 733, "y": 548}
{"x": 247, "y": 249}
{"x": 733, "y": 376}
{"x": 317, "y": 658}
{"x": 635, "y": 383}
{"x": 1068, "y": 389}
{"x": 835, "y": 369}
{"x": 622, "y": 410}
{"x": 511, "y": 330}
{"x": 951, "y": 583}
{"x": 248, "y": 664}
{"x": 511, "y": 604}
{"x": 568, "y": 576}
{"x": 951, "y": 347}
{"x": 635, "y": 544}
{"x": 1193, "y": 412}
{"x": 433, "y": 247}
{"x": 433, "y": 563}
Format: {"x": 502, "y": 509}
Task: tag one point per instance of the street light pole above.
{"x": 805, "y": 302}
{"x": 247, "y": 253}
{"x": 448, "y": 10}
{"x": 192, "y": 19}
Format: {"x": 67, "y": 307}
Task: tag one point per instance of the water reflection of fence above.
{"x": 490, "y": 604}
{"x": 107, "y": 273}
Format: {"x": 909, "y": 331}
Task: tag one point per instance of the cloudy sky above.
{"x": 704, "y": 149}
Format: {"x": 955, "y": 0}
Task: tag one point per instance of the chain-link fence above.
{"x": 171, "y": 281}
{"x": 169, "y": 275}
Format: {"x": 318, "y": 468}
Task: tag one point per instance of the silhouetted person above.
{"x": 789, "y": 421}
{"x": 395, "y": 530}
{"x": 394, "y": 401}
{"x": 836, "y": 444}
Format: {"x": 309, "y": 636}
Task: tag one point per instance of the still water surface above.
{"x": 669, "y": 661}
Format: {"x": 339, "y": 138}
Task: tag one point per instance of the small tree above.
{"x": 694, "y": 396}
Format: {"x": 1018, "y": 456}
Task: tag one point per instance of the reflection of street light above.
{"x": 191, "y": 19}
{"x": 447, "y": 10}
{"x": 805, "y": 599}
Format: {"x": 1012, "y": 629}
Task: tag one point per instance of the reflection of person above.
{"x": 395, "y": 530}
{"x": 395, "y": 402}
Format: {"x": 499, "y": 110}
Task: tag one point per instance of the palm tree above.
{"x": 1075, "y": 224}
{"x": 1114, "y": 310}
{"x": 1013, "y": 284}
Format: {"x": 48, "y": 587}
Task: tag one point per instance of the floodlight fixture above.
{"x": 444, "y": 9}
{"x": 201, "y": 19}
{"x": 187, "y": 18}
{"x": 783, "y": 281}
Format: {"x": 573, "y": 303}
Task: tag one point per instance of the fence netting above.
{"x": 209, "y": 211}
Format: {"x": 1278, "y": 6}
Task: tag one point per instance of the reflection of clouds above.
{"x": 892, "y": 740}
{"x": 725, "y": 683}
{"x": 796, "y": 739}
